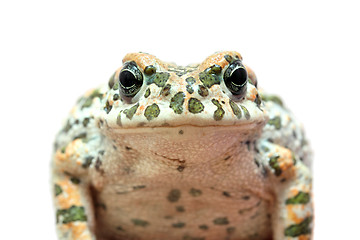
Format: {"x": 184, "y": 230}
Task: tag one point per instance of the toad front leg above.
{"x": 293, "y": 212}
{"x": 72, "y": 199}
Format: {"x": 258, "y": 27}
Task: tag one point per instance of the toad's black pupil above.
{"x": 127, "y": 79}
{"x": 238, "y": 77}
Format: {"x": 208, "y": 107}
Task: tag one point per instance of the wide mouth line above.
{"x": 191, "y": 126}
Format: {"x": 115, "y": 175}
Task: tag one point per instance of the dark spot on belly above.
{"x": 119, "y": 228}
{"x": 227, "y": 158}
{"x": 230, "y": 230}
{"x": 226, "y": 194}
{"x": 101, "y": 206}
{"x": 98, "y": 164}
{"x": 242, "y": 211}
{"x": 181, "y": 168}
{"x": 140, "y": 222}
{"x": 128, "y": 148}
{"x": 174, "y": 195}
{"x": 187, "y": 237}
{"x": 203, "y": 227}
{"x": 180, "y": 208}
{"x": 221, "y": 221}
{"x": 181, "y": 132}
{"x": 246, "y": 197}
{"x": 139, "y": 187}
{"x": 195, "y": 192}
{"x": 256, "y": 162}
{"x": 178, "y": 225}
{"x": 255, "y": 215}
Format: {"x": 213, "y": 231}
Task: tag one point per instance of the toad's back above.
{"x": 168, "y": 152}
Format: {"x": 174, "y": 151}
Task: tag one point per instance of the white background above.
{"x": 53, "y": 51}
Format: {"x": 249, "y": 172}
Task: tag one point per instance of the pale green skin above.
{"x": 182, "y": 175}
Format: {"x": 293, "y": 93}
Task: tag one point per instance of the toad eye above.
{"x": 235, "y": 78}
{"x": 130, "y": 79}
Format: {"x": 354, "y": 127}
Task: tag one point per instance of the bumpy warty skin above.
{"x": 169, "y": 152}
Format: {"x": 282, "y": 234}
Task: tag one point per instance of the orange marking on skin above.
{"x": 304, "y": 237}
{"x": 293, "y": 192}
{"x": 143, "y": 60}
{"x": 71, "y": 150}
{"x": 73, "y": 110}
{"x": 78, "y": 230}
{"x": 141, "y": 108}
{"x": 253, "y": 94}
{"x": 292, "y": 215}
{"x": 70, "y": 195}
{"x": 217, "y": 58}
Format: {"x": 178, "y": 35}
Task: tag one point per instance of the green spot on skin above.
{"x": 161, "y": 78}
{"x": 274, "y": 164}
{"x": 87, "y": 161}
{"x": 131, "y": 111}
{"x": 219, "y": 113}
{"x": 177, "y": 101}
{"x": 118, "y": 119}
{"x": 195, "y": 192}
{"x": 139, "y": 222}
{"x": 302, "y": 228}
{"x": 246, "y": 112}
{"x": 86, "y": 121}
{"x": 235, "y": 108}
{"x": 88, "y": 101}
{"x": 72, "y": 214}
{"x": 229, "y": 58}
{"x": 174, "y": 195}
{"x": 63, "y": 149}
{"x": 75, "y": 180}
{"x": 190, "y": 80}
{"x": 116, "y": 86}
{"x": 258, "y": 100}
{"x": 166, "y": 90}
{"x": 111, "y": 81}
{"x": 215, "y": 69}
{"x": 221, "y": 221}
{"x": 195, "y": 106}
{"x": 272, "y": 98}
{"x": 202, "y": 91}
{"x": 147, "y": 93}
{"x": 300, "y": 198}
{"x": 276, "y": 122}
{"x": 293, "y": 158}
{"x": 107, "y": 107}
{"x": 152, "y": 112}
{"x": 216, "y": 102}
{"x": 67, "y": 126}
{"x": 80, "y": 136}
{"x": 58, "y": 190}
{"x": 178, "y": 225}
{"x": 189, "y": 89}
{"x": 208, "y": 79}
